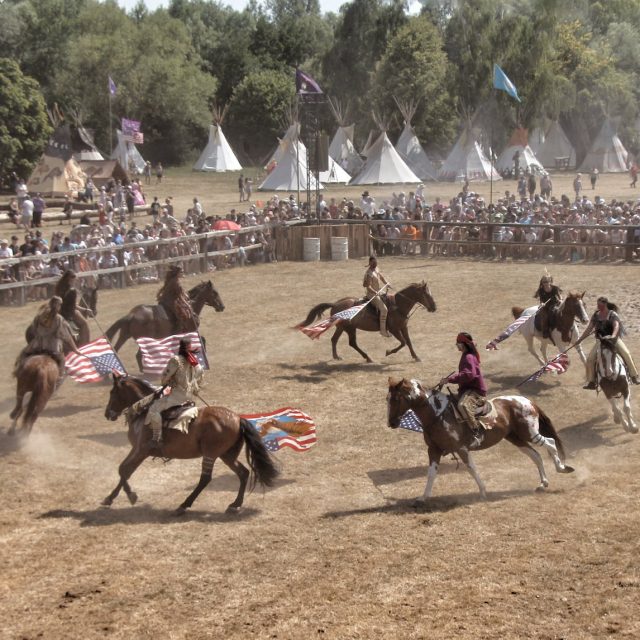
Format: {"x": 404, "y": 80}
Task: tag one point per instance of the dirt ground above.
{"x": 337, "y": 549}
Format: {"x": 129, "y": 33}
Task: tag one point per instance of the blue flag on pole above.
{"x": 500, "y": 81}
{"x": 112, "y": 87}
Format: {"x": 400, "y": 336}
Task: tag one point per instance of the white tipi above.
{"x": 409, "y": 147}
{"x": 607, "y": 153}
{"x": 218, "y": 154}
{"x": 341, "y": 148}
{"x": 127, "y": 154}
{"x": 467, "y": 161}
{"x": 519, "y": 144}
{"x": 555, "y": 145}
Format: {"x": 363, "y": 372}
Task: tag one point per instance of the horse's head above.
{"x": 126, "y": 390}
{"x": 209, "y": 295}
{"x": 574, "y": 305}
{"x": 608, "y": 363}
{"x": 420, "y": 293}
{"x": 401, "y": 397}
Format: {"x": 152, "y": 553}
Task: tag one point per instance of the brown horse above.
{"x": 152, "y": 321}
{"x": 216, "y": 433}
{"x": 563, "y": 326}
{"x": 518, "y": 420}
{"x": 367, "y": 319}
{"x": 37, "y": 378}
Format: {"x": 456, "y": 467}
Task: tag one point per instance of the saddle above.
{"x": 374, "y": 310}
{"x": 485, "y": 413}
{"x": 180, "y": 416}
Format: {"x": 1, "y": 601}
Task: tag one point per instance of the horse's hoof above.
{"x": 107, "y": 502}
{"x": 541, "y": 487}
{"x": 387, "y": 352}
{"x": 632, "y": 429}
{"x": 180, "y": 511}
{"x": 133, "y": 497}
{"x": 417, "y": 359}
{"x": 567, "y": 469}
{"x": 233, "y": 510}
{"x": 11, "y": 431}
{"x": 616, "y": 420}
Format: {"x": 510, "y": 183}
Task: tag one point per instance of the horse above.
{"x": 36, "y": 381}
{"x": 516, "y": 419}
{"x": 614, "y": 382}
{"x": 217, "y": 432}
{"x": 564, "y": 331}
{"x": 152, "y": 321}
{"x": 367, "y": 319}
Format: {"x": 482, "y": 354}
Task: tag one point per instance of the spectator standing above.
{"x": 21, "y": 190}
{"x": 88, "y": 190}
{"x": 593, "y": 176}
{"x": 147, "y": 172}
{"x": 26, "y": 212}
{"x": 38, "y": 209}
{"x": 159, "y": 173}
{"x": 67, "y": 208}
{"x": 633, "y": 172}
{"x": 531, "y": 185}
{"x": 241, "y": 187}
{"x": 248, "y": 188}
{"x": 577, "y": 185}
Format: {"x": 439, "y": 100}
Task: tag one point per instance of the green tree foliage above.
{"x": 24, "y": 125}
{"x": 258, "y": 111}
{"x": 414, "y": 68}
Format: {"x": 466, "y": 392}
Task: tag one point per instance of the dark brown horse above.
{"x": 216, "y": 433}
{"x": 152, "y": 321}
{"x": 517, "y": 419}
{"x": 37, "y": 378}
{"x": 367, "y": 319}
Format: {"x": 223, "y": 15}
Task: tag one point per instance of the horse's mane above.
{"x": 413, "y": 285}
{"x": 194, "y": 291}
{"x": 144, "y": 385}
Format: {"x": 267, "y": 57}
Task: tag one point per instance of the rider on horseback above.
{"x": 375, "y": 283}
{"x": 175, "y": 300}
{"x": 472, "y": 389}
{"x": 51, "y": 334}
{"x": 183, "y": 375}
{"x": 72, "y": 311}
{"x": 550, "y": 295}
{"x": 607, "y": 325}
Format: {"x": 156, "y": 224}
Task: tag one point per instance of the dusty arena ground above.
{"x": 337, "y": 549}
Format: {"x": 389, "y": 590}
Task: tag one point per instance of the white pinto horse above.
{"x": 565, "y": 331}
{"x": 614, "y": 382}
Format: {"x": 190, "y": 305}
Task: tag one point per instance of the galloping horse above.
{"x": 216, "y": 433}
{"x": 151, "y": 321}
{"x": 614, "y": 382}
{"x": 367, "y": 319}
{"x": 518, "y": 420}
{"x": 565, "y": 330}
{"x": 37, "y": 377}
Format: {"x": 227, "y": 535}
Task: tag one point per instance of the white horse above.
{"x": 565, "y": 332}
{"x": 614, "y": 382}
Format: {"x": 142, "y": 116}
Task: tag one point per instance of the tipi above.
{"x": 519, "y": 144}
{"x": 127, "y": 154}
{"x": 384, "y": 164}
{"x": 555, "y": 145}
{"x": 334, "y": 174}
{"x": 341, "y": 148}
{"x": 409, "y": 147}
{"x": 57, "y": 173}
{"x": 218, "y": 154}
{"x": 607, "y": 154}
{"x": 467, "y": 161}
{"x": 536, "y": 141}
{"x": 84, "y": 148}
{"x": 372, "y": 137}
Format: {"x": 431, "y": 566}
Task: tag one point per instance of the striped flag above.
{"x": 317, "y": 329}
{"x": 556, "y": 365}
{"x": 156, "y": 353}
{"x": 410, "y": 421}
{"x": 286, "y": 427}
{"x": 512, "y": 328}
{"x": 98, "y": 361}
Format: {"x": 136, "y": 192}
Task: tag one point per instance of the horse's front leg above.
{"x": 134, "y": 459}
{"x": 334, "y": 341}
{"x": 432, "y": 472}
{"x": 465, "y": 456}
{"x": 399, "y": 335}
{"x": 630, "y": 424}
{"x": 351, "y": 332}
{"x": 617, "y": 414}
{"x": 532, "y": 350}
{"x": 15, "y": 414}
{"x": 205, "y": 479}
{"x": 575, "y": 334}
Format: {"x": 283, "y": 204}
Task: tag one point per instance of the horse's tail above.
{"x": 549, "y": 431}
{"x": 262, "y": 465}
{"x": 314, "y": 314}
{"x": 517, "y": 311}
{"x": 114, "y": 328}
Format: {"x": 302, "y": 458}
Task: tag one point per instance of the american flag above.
{"x": 156, "y": 353}
{"x": 513, "y": 327}
{"x": 317, "y": 329}
{"x": 300, "y": 437}
{"x": 557, "y": 365}
{"x": 409, "y": 420}
{"x": 98, "y": 361}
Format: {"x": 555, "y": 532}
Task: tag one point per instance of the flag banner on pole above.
{"x": 98, "y": 360}
{"x": 317, "y": 329}
{"x": 500, "y": 81}
{"x": 129, "y": 127}
{"x": 136, "y": 137}
{"x": 305, "y": 83}
{"x": 556, "y": 365}
{"x": 410, "y": 421}
{"x": 156, "y": 353}
{"x": 112, "y": 87}
{"x": 286, "y": 427}
{"x": 512, "y": 328}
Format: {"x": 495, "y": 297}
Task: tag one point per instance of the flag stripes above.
{"x": 317, "y": 329}
{"x": 98, "y": 360}
{"x": 286, "y": 427}
{"x": 156, "y": 353}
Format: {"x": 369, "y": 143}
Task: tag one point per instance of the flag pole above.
{"x": 110, "y": 123}
{"x": 495, "y": 102}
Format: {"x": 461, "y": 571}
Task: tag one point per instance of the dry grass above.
{"x": 337, "y": 549}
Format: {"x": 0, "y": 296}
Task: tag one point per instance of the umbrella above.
{"x": 225, "y": 225}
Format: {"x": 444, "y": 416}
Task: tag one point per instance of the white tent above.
{"x": 218, "y": 154}
{"x": 289, "y": 166}
{"x": 467, "y": 160}
{"x": 409, "y": 147}
{"x": 555, "y": 145}
{"x": 519, "y": 144}
{"x": 373, "y": 136}
{"x": 127, "y": 154}
{"x": 384, "y": 165}
{"x": 342, "y": 150}
{"x": 536, "y": 141}
{"x": 607, "y": 154}
{"x": 335, "y": 173}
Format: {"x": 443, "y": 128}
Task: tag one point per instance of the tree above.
{"x": 24, "y": 125}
